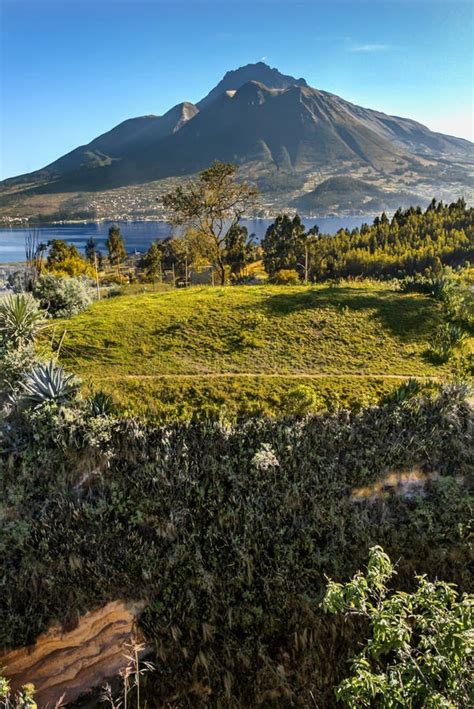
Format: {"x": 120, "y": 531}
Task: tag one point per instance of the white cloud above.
{"x": 370, "y": 48}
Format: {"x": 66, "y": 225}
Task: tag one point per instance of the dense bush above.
{"x": 286, "y": 277}
{"x": 62, "y": 297}
{"x": 420, "y": 650}
{"x": 228, "y": 534}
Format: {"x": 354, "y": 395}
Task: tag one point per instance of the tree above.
{"x": 65, "y": 260}
{"x": 283, "y": 244}
{"x": 210, "y": 206}
{"x": 151, "y": 261}
{"x": 59, "y": 252}
{"x": 239, "y": 249}
{"x": 115, "y": 246}
{"x": 90, "y": 250}
{"x": 420, "y": 650}
{"x": 174, "y": 253}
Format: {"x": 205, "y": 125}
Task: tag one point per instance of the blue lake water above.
{"x": 138, "y": 235}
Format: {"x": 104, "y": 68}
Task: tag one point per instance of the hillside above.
{"x": 175, "y": 352}
{"x": 350, "y": 194}
{"x": 266, "y": 122}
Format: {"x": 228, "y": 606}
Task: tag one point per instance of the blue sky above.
{"x": 72, "y": 69}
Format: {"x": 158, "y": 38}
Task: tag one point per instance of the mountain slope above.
{"x": 296, "y": 128}
{"x": 126, "y": 138}
{"x": 269, "y": 124}
{"x": 347, "y": 193}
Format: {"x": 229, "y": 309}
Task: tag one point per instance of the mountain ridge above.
{"x": 283, "y": 126}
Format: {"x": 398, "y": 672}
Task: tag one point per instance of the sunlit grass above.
{"x": 184, "y": 348}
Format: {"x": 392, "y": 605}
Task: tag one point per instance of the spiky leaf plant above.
{"x": 448, "y": 337}
{"x": 20, "y": 319}
{"x": 49, "y": 383}
{"x": 100, "y": 404}
{"x": 406, "y": 390}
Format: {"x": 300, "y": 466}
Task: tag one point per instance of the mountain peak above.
{"x": 258, "y": 72}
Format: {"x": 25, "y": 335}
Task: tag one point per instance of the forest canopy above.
{"x": 411, "y": 242}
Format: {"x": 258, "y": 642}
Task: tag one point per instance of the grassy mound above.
{"x": 175, "y": 352}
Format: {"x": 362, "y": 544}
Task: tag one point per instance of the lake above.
{"x": 138, "y": 235}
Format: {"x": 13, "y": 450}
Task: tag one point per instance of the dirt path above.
{"x": 274, "y": 375}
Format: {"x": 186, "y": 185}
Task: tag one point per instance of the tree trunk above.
{"x": 221, "y": 270}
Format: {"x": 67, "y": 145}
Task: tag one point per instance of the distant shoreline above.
{"x": 138, "y": 234}
{"x": 25, "y": 223}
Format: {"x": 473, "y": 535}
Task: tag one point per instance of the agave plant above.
{"x": 404, "y": 392}
{"x": 448, "y": 336}
{"x": 100, "y": 404}
{"x": 49, "y": 383}
{"x": 20, "y": 319}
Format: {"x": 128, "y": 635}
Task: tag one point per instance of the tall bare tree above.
{"x": 210, "y": 206}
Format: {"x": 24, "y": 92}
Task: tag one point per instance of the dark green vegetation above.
{"x": 192, "y": 350}
{"x": 420, "y": 650}
{"x": 272, "y": 125}
{"x": 228, "y": 534}
{"x": 411, "y": 242}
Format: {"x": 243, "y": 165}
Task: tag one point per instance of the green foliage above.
{"x": 404, "y": 392}
{"x": 283, "y": 244}
{"x": 301, "y": 401}
{"x": 115, "y": 246}
{"x": 410, "y": 243}
{"x": 59, "y": 251}
{"x": 420, "y": 649}
{"x": 48, "y": 383}
{"x": 100, "y": 404}
{"x": 65, "y": 260}
{"x": 285, "y": 277}
{"x": 60, "y": 296}
{"x": 90, "y": 250}
{"x": 20, "y": 320}
{"x": 448, "y": 337}
{"x": 21, "y": 699}
{"x": 205, "y": 206}
{"x": 151, "y": 261}
{"x": 227, "y": 533}
{"x": 239, "y": 250}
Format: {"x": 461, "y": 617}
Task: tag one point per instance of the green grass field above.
{"x": 176, "y": 352}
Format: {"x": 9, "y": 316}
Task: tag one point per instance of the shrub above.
{"x": 228, "y": 533}
{"x": 20, "y": 319}
{"x": 448, "y": 337}
{"x": 420, "y": 650}
{"x": 22, "y": 699}
{"x": 409, "y": 388}
{"x": 15, "y": 364}
{"x": 286, "y": 277}
{"x": 62, "y": 297}
{"x": 19, "y": 281}
{"x": 48, "y": 383}
{"x": 100, "y": 404}
{"x": 300, "y": 401}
